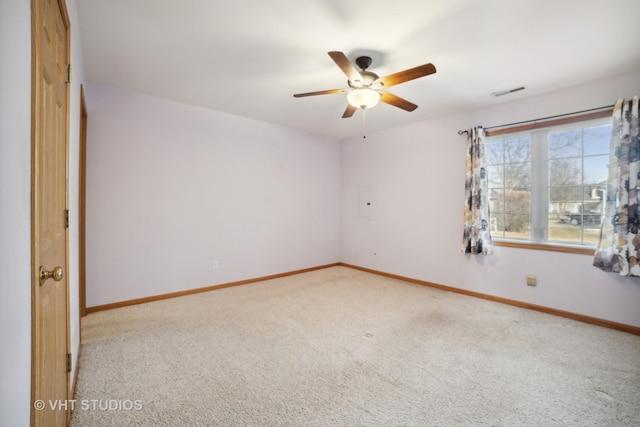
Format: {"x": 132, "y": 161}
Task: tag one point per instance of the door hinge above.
{"x": 66, "y": 218}
{"x": 68, "y": 362}
{"x": 67, "y": 77}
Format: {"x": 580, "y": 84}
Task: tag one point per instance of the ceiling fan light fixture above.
{"x": 366, "y": 88}
{"x": 363, "y": 98}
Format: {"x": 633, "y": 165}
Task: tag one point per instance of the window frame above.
{"x": 534, "y": 125}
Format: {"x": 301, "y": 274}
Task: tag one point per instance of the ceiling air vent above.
{"x": 508, "y": 91}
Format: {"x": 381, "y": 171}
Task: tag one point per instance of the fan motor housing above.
{"x": 367, "y": 79}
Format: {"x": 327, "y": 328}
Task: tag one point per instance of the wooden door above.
{"x": 50, "y": 330}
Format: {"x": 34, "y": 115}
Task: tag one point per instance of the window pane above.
{"x": 564, "y": 232}
{"x": 594, "y": 203}
{"x": 509, "y": 170}
{"x": 565, "y": 144}
{"x": 494, "y": 152}
{"x": 565, "y": 200}
{"x": 517, "y": 226}
{"x": 597, "y": 140}
{"x": 596, "y": 169}
{"x": 582, "y": 226}
{"x": 518, "y": 201}
{"x": 496, "y": 201}
{"x": 517, "y": 149}
{"x": 496, "y": 176}
{"x": 565, "y": 171}
{"x": 517, "y": 175}
{"x": 497, "y": 225}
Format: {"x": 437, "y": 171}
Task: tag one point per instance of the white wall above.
{"x": 173, "y": 187}
{"x": 15, "y": 205}
{"x": 416, "y": 177}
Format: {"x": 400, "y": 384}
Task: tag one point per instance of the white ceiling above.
{"x": 248, "y": 57}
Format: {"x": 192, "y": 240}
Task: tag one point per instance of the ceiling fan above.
{"x": 367, "y": 88}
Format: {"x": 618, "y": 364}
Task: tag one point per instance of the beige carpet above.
{"x": 340, "y": 347}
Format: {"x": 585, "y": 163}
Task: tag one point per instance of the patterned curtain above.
{"x": 618, "y": 250}
{"x": 476, "y": 238}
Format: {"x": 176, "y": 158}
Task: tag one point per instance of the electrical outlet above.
{"x": 215, "y": 265}
{"x": 531, "y": 280}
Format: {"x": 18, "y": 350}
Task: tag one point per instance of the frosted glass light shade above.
{"x": 363, "y": 98}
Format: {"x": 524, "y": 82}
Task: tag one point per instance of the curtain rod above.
{"x": 462, "y": 132}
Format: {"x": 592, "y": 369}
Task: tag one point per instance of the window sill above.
{"x": 546, "y": 247}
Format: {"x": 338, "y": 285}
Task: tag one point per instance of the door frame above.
{"x": 82, "y": 207}
{"x": 35, "y": 192}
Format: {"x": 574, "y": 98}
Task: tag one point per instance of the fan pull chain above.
{"x": 364, "y": 124}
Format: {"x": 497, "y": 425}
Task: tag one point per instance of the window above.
{"x": 547, "y": 185}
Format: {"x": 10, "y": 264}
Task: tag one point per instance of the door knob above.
{"x": 55, "y": 274}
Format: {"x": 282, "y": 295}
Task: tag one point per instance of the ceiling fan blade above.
{"x": 320, "y": 92}
{"x": 345, "y": 65}
{"x": 396, "y": 101}
{"x": 349, "y": 111}
{"x": 406, "y": 75}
